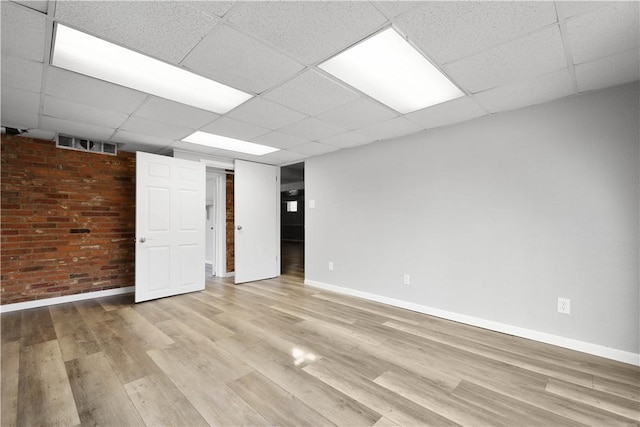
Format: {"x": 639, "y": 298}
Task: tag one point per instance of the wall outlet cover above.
{"x": 564, "y": 305}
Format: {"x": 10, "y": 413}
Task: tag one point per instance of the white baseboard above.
{"x": 5, "y": 308}
{"x": 208, "y": 262}
{"x": 572, "y": 344}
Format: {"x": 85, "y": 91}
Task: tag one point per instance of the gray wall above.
{"x": 494, "y": 218}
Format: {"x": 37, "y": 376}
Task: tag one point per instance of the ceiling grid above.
{"x": 502, "y": 55}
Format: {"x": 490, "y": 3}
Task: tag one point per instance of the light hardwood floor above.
{"x": 275, "y": 352}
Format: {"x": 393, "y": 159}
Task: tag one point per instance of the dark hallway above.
{"x": 292, "y": 220}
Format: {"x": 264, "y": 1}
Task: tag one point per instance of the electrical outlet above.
{"x": 564, "y": 305}
{"x": 330, "y": 265}
{"x": 407, "y": 279}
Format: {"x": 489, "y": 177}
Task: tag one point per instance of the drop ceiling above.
{"x": 503, "y": 55}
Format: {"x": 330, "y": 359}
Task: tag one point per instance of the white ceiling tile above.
{"x": 18, "y": 119}
{"x": 391, "y": 9}
{"x": 537, "y": 54}
{"x": 164, "y": 110}
{"x": 20, "y": 100}
{"x": 126, "y": 137}
{"x": 348, "y": 139}
{"x": 232, "y": 128}
{"x": 214, "y": 8}
{"x": 81, "y": 130}
{"x": 313, "y": 149}
{"x": 567, "y": 9}
{"x": 610, "y": 71}
{"x": 155, "y": 128}
{"x": 163, "y": 29}
{"x": 81, "y": 89}
{"x": 312, "y": 128}
{"x": 280, "y": 140}
{"x": 455, "y": 111}
{"x": 82, "y": 113}
{"x": 541, "y": 89}
{"x": 309, "y": 31}
{"x": 509, "y": 54}
{"x": 39, "y": 5}
{"x": 21, "y": 73}
{"x": 357, "y": 114}
{"x": 282, "y": 157}
{"x": 312, "y": 93}
{"x": 225, "y": 50}
{"x": 393, "y": 128}
{"x": 266, "y": 114}
{"x": 451, "y": 30}
{"x": 605, "y": 31}
{"x": 23, "y": 32}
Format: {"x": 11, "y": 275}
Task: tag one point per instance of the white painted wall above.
{"x": 494, "y": 218}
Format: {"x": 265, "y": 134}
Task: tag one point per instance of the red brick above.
{"x": 230, "y": 226}
{"x": 45, "y": 193}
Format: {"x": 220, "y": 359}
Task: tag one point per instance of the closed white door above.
{"x": 170, "y": 226}
{"x": 257, "y": 221}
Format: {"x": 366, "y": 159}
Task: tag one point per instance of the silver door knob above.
{"x": 239, "y": 227}
{"x": 142, "y": 240}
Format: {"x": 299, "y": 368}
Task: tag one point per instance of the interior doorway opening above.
{"x": 292, "y": 233}
{"x": 216, "y": 206}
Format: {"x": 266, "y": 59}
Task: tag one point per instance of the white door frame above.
{"x": 220, "y": 203}
{"x": 220, "y": 243}
{"x": 222, "y": 165}
{"x": 211, "y": 230}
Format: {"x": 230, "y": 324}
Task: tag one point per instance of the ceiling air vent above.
{"x": 80, "y": 144}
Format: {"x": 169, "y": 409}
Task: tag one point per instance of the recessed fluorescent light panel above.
{"x": 231, "y": 144}
{"x": 76, "y": 51}
{"x": 387, "y": 68}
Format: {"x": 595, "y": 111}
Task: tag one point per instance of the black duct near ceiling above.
{"x": 12, "y": 131}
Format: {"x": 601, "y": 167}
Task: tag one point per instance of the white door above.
{"x": 170, "y": 226}
{"x": 257, "y": 221}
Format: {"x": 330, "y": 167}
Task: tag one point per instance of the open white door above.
{"x": 257, "y": 220}
{"x": 170, "y": 226}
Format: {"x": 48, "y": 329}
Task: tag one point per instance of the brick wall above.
{"x": 230, "y": 229}
{"x": 68, "y": 220}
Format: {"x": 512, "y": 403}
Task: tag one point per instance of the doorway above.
{"x": 235, "y": 216}
{"x": 215, "y": 234}
{"x": 292, "y": 233}
{"x": 242, "y": 246}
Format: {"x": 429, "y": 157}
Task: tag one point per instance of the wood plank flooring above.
{"x": 275, "y": 352}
